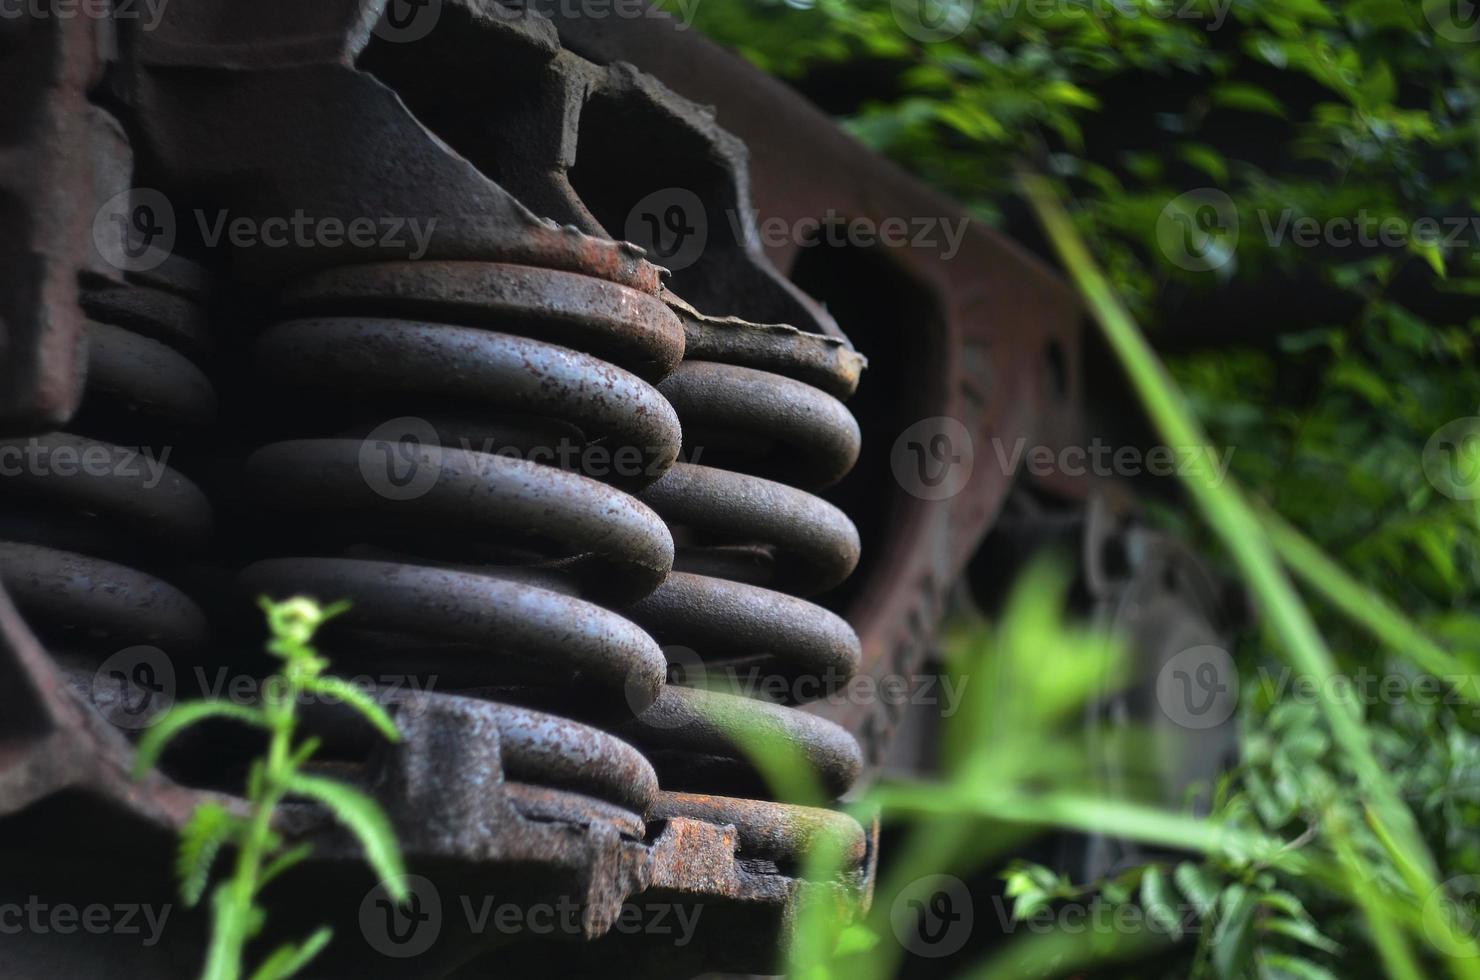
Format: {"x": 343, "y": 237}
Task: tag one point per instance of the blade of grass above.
{"x": 1089, "y": 814}
{"x": 1391, "y": 945}
{"x": 1237, "y": 526}
{"x": 1360, "y": 604}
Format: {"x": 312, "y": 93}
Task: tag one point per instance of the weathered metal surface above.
{"x": 816, "y": 545}
{"x": 825, "y": 362}
{"x": 62, "y": 158}
{"x": 753, "y": 628}
{"x": 132, "y": 373}
{"x": 495, "y": 372}
{"x": 618, "y": 542}
{"x": 768, "y": 424}
{"x": 521, "y": 321}
{"x": 98, "y": 602}
{"x": 703, "y": 741}
{"x": 988, "y": 337}
{"x": 622, "y": 322}
{"x": 568, "y": 640}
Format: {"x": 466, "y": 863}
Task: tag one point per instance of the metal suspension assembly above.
{"x": 98, "y": 520}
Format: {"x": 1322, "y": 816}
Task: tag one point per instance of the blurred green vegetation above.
{"x": 1189, "y": 138}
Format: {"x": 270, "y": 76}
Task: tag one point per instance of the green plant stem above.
{"x": 1397, "y": 958}
{"x": 1361, "y": 605}
{"x": 1236, "y": 525}
{"x": 233, "y": 914}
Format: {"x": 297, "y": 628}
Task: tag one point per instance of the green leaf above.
{"x": 1197, "y": 886}
{"x": 1303, "y": 932}
{"x": 1206, "y": 159}
{"x": 1295, "y": 967}
{"x": 1431, "y": 253}
{"x": 1248, "y": 98}
{"x": 334, "y": 687}
{"x": 856, "y": 938}
{"x": 181, "y": 717}
{"x": 282, "y": 863}
{"x": 289, "y": 958}
{"x": 1156, "y": 899}
{"x": 200, "y": 840}
{"x": 364, "y": 818}
{"x": 1233, "y": 940}
{"x": 304, "y": 752}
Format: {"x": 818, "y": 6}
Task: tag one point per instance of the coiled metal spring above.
{"x": 754, "y": 541}
{"x": 97, "y": 521}
{"x": 467, "y": 553}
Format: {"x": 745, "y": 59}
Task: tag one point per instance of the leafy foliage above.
{"x": 261, "y": 853}
{"x": 1303, "y": 113}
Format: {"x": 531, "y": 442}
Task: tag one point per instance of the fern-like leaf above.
{"x": 334, "y": 687}
{"x": 181, "y": 717}
{"x": 365, "y": 820}
{"x": 200, "y": 839}
{"x": 282, "y": 863}
{"x": 289, "y": 958}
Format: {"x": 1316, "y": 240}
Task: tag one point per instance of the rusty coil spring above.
{"x": 424, "y": 403}
{"x": 753, "y": 541}
{"x": 97, "y": 521}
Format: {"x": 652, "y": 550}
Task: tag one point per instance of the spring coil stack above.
{"x": 98, "y": 522}
{"x": 491, "y": 472}
{"x": 762, "y": 429}
{"x": 430, "y": 406}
